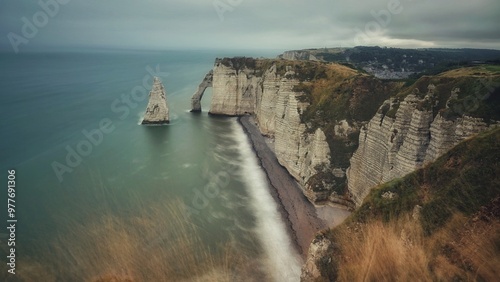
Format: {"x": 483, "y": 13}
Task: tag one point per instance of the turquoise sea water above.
{"x": 70, "y": 128}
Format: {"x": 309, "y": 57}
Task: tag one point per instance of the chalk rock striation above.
{"x": 196, "y": 99}
{"x": 235, "y": 87}
{"x": 326, "y": 128}
{"x": 278, "y": 115}
{"x": 157, "y": 109}
{"x": 391, "y": 147}
{"x": 240, "y": 87}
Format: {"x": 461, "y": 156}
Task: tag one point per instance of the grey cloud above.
{"x": 273, "y": 24}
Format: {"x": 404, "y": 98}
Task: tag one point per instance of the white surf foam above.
{"x": 284, "y": 261}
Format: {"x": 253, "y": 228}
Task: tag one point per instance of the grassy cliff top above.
{"x": 477, "y": 91}
{"x": 305, "y": 70}
{"x": 475, "y": 71}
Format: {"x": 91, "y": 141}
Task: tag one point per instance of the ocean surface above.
{"x": 70, "y": 128}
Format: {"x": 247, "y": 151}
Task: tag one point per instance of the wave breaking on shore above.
{"x": 283, "y": 260}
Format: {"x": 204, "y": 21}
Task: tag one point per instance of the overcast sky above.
{"x": 249, "y": 24}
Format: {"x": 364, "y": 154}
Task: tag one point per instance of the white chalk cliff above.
{"x": 298, "y": 55}
{"x": 234, "y": 91}
{"x": 157, "y": 109}
{"x": 196, "y": 99}
{"x": 390, "y": 145}
{"x": 390, "y": 148}
{"x": 408, "y": 131}
{"x": 270, "y": 97}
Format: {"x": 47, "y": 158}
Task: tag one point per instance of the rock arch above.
{"x": 196, "y": 99}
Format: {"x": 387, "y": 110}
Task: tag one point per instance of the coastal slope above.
{"x": 340, "y": 132}
{"x": 439, "y": 223}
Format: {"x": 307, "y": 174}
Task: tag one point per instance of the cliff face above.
{"x": 328, "y": 125}
{"x": 157, "y": 109}
{"x": 278, "y": 115}
{"x": 234, "y": 90}
{"x": 239, "y": 89}
{"x": 312, "y": 110}
{"x": 298, "y": 55}
{"x": 391, "y": 147}
{"x": 328, "y": 133}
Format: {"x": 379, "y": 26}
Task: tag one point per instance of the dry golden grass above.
{"x": 158, "y": 244}
{"x": 476, "y": 71}
{"x": 341, "y": 70}
{"x": 467, "y": 249}
{"x": 379, "y": 252}
{"x": 464, "y": 250}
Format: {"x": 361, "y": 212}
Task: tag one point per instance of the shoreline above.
{"x": 299, "y": 214}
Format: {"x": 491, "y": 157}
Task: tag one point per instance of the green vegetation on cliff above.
{"x": 343, "y": 94}
{"x": 342, "y": 99}
{"x": 462, "y": 180}
{"x": 441, "y": 222}
{"x": 336, "y": 93}
{"x": 477, "y": 91}
{"x": 346, "y": 94}
{"x": 304, "y": 70}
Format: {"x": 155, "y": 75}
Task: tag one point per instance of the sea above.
{"x": 97, "y": 194}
